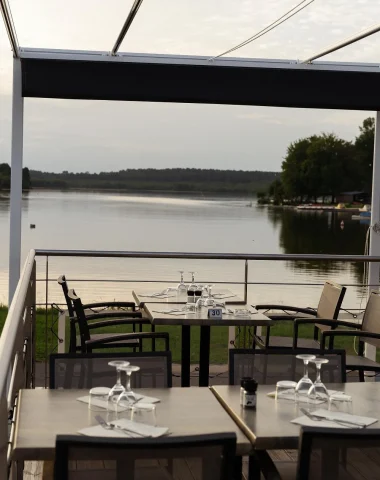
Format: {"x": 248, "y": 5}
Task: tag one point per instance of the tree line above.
{"x": 324, "y": 166}
{"x": 168, "y": 179}
{"x": 5, "y": 177}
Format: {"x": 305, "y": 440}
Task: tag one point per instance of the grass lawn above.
{"x": 219, "y": 337}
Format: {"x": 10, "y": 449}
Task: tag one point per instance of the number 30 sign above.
{"x": 214, "y": 313}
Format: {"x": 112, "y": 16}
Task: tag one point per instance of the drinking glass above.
{"x": 118, "y": 388}
{"x": 285, "y": 389}
{"x": 190, "y": 305}
{"x": 144, "y": 413}
{"x": 318, "y": 390}
{"x": 98, "y": 394}
{"x": 303, "y": 386}
{"x": 127, "y": 396}
{"x": 181, "y": 287}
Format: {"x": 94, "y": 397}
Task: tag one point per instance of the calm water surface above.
{"x": 111, "y": 221}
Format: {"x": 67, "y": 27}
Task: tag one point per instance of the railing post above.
{"x": 16, "y": 180}
{"x": 246, "y": 281}
{"x": 374, "y": 244}
{"x": 33, "y": 327}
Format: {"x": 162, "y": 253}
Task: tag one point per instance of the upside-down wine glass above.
{"x": 318, "y": 390}
{"x": 118, "y": 388}
{"x": 127, "y": 396}
{"x": 181, "y": 287}
{"x": 210, "y": 302}
{"x": 303, "y": 386}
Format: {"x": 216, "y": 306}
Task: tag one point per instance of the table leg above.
{"x": 204, "y": 356}
{"x": 185, "y": 356}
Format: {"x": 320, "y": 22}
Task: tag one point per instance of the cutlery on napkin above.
{"x": 123, "y": 428}
{"x": 326, "y": 418}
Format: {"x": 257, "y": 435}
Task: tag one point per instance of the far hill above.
{"x": 168, "y": 179}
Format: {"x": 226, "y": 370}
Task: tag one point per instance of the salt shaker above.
{"x": 249, "y": 394}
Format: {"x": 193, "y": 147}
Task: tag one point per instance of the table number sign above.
{"x": 214, "y": 313}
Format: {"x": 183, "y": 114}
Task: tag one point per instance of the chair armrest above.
{"x": 110, "y": 304}
{"x": 130, "y": 336}
{"x": 95, "y": 316}
{"x": 310, "y": 311}
{"x": 266, "y": 464}
{"x": 346, "y": 333}
{"x": 322, "y": 321}
{"x": 109, "y": 323}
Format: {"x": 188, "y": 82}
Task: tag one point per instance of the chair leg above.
{"x": 254, "y": 472}
{"x": 361, "y": 375}
{"x": 238, "y": 468}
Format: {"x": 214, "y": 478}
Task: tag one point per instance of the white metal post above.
{"x": 16, "y": 180}
{"x": 374, "y": 248}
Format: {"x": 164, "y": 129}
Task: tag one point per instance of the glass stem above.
{"x": 128, "y": 382}
{"x": 305, "y": 370}
{"x": 118, "y": 376}
{"x": 318, "y": 380}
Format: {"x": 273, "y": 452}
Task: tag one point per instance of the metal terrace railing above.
{"x": 18, "y": 338}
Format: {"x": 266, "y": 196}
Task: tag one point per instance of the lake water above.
{"x": 113, "y": 221}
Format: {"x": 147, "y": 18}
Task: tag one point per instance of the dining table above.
{"x": 269, "y": 426}
{"x": 42, "y": 414}
{"x": 180, "y": 296}
{"x": 174, "y": 314}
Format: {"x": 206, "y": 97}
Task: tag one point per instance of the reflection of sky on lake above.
{"x": 185, "y": 223}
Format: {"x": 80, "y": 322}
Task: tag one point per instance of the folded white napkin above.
{"x": 112, "y": 406}
{"x": 332, "y": 419}
{"x": 173, "y": 312}
{"x": 134, "y": 430}
{"x": 301, "y": 398}
{"x": 156, "y": 295}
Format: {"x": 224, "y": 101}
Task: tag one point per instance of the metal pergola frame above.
{"x": 94, "y": 75}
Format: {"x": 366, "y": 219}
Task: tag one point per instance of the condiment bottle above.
{"x": 242, "y": 388}
{"x": 249, "y": 395}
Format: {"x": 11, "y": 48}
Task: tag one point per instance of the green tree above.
{"x": 364, "y": 145}
{"x": 25, "y": 178}
{"x": 276, "y": 192}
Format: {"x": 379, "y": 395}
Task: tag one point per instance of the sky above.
{"x": 107, "y": 136}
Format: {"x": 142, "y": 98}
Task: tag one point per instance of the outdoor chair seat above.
{"x": 130, "y": 343}
{"x": 287, "y": 342}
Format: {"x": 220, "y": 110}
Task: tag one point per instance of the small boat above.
{"x": 364, "y": 213}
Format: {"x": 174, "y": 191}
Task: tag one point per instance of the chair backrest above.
{"x": 62, "y": 281}
{"x": 80, "y": 318}
{"x": 331, "y": 300}
{"x": 269, "y": 366}
{"x": 371, "y": 318}
{"x": 88, "y": 370}
{"x": 210, "y": 456}
{"x": 338, "y": 454}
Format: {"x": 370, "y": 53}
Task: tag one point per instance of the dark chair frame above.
{"x": 318, "y": 327}
{"x": 355, "y": 331}
{"x": 227, "y": 440}
{"x": 120, "y": 355}
{"x": 283, "y": 351}
{"x": 85, "y": 328}
{"x": 342, "y": 436}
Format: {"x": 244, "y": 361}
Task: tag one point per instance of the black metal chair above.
{"x": 122, "y": 309}
{"x": 200, "y": 457}
{"x": 274, "y": 364}
{"x": 368, "y": 331}
{"x": 328, "y": 307}
{"x": 86, "y": 342}
{"x": 88, "y": 370}
{"x": 328, "y": 454}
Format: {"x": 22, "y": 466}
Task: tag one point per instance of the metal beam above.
{"x": 16, "y": 180}
{"x": 345, "y": 43}
{"x": 128, "y": 22}
{"x": 184, "y": 81}
{"x": 9, "y": 27}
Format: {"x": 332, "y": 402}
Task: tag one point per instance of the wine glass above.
{"x": 118, "y": 388}
{"x": 127, "y": 396}
{"x": 209, "y": 302}
{"x": 303, "y": 386}
{"x": 181, "y": 287}
{"x": 318, "y": 390}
